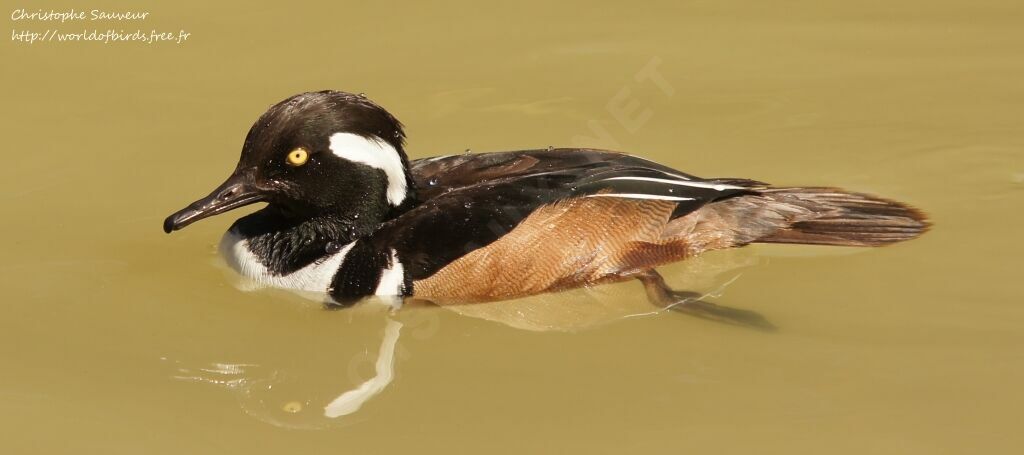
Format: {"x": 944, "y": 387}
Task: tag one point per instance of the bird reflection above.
{"x": 265, "y": 393}
{"x": 350, "y": 401}
{"x": 280, "y": 398}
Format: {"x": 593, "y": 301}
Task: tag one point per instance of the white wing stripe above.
{"x": 642, "y": 196}
{"x": 714, "y": 186}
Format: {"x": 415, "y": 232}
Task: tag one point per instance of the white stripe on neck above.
{"x": 315, "y": 277}
{"x": 375, "y": 153}
{"x": 392, "y": 279}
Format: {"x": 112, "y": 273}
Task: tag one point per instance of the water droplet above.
{"x": 292, "y": 407}
{"x": 432, "y": 181}
{"x": 468, "y": 151}
{"x": 468, "y": 205}
{"x": 671, "y": 190}
{"x": 361, "y": 95}
{"x": 356, "y": 216}
{"x": 550, "y": 148}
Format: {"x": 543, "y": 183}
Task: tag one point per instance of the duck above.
{"x": 349, "y": 216}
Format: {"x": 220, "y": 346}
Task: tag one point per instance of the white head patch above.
{"x": 374, "y": 153}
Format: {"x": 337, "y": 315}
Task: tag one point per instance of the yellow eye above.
{"x": 298, "y": 157}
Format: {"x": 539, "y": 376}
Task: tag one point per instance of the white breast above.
{"x": 315, "y": 277}
{"x": 392, "y": 279}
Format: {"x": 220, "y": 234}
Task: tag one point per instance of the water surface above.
{"x": 117, "y": 338}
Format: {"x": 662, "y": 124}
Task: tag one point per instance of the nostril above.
{"x": 227, "y": 193}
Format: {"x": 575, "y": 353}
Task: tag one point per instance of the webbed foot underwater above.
{"x": 349, "y": 215}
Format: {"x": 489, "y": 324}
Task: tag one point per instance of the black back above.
{"x": 472, "y": 200}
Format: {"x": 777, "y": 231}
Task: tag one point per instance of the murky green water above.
{"x": 119, "y": 339}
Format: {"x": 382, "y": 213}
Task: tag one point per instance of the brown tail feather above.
{"x": 816, "y": 216}
{"x": 830, "y": 216}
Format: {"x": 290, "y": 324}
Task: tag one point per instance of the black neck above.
{"x": 285, "y": 243}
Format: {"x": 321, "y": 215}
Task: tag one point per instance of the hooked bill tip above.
{"x": 169, "y": 224}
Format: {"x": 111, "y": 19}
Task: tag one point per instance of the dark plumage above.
{"x": 349, "y": 215}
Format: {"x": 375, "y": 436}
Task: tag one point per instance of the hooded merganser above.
{"x": 348, "y": 214}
